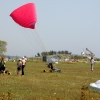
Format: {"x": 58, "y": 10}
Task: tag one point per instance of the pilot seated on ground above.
{"x": 50, "y": 65}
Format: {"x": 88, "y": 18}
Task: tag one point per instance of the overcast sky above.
{"x": 72, "y": 25}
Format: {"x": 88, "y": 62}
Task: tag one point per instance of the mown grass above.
{"x": 37, "y": 85}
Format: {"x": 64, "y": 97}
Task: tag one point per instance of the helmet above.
{"x": 2, "y": 58}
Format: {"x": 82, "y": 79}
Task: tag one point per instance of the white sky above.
{"x": 72, "y": 25}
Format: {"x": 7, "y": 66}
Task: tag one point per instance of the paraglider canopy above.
{"x": 25, "y": 15}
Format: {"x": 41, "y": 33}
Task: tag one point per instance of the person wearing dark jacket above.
{"x": 2, "y": 65}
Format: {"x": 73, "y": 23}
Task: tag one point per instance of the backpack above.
{"x": 2, "y": 63}
{"x": 19, "y": 63}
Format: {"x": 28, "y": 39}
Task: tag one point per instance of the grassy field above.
{"x": 70, "y": 84}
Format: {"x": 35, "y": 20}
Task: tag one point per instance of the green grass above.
{"x": 37, "y": 85}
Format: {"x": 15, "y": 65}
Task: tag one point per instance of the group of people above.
{"x": 20, "y": 66}
{"x": 22, "y": 62}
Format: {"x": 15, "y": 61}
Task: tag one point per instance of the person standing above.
{"x": 25, "y": 58}
{"x": 2, "y": 65}
{"x": 19, "y": 66}
{"x": 23, "y": 65}
{"x": 92, "y": 63}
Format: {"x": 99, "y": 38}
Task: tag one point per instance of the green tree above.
{"x": 3, "y": 48}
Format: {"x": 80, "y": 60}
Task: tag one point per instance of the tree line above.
{"x": 3, "y": 49}
{"x": 53, "y": 53}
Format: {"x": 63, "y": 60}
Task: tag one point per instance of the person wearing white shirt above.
{"x": 23, "y": 65}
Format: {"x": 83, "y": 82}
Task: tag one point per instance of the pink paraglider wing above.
{"x": 25, "y": 15}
